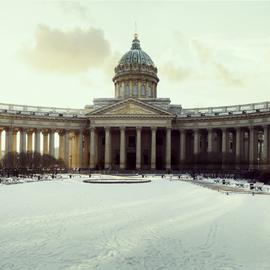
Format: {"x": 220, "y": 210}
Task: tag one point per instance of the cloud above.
{"x": 204, "y": 53}
{"x": 111, "y": 63}
{"x": 74, "y": 8}
{"x": 227, "y": 76}
{"x": 207, "y": 56}
{"x": 70, "y": 51}
{"x": 175, "y": 73}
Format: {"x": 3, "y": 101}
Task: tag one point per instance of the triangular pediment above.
{"x": 130, "y": 107}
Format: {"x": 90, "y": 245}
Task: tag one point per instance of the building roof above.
{"x": 136, "y": 55}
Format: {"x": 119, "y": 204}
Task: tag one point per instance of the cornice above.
{"x": 41, "y": 118}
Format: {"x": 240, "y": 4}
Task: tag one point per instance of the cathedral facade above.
{"x": 136, "y": 130}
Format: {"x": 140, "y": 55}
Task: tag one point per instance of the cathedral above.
{"x": 136, "y": 130}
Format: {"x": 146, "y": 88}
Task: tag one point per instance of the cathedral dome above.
{"x": 135, "y": 74}
{"x": 136, "y": 55}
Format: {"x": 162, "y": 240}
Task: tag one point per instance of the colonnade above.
{"x": 70, "y": 144}
{"x": 240, "y": 145}
{"x": 175, "y": 147}
{"x": 123, "y": 148}
{"x": 137, "y": 88}
{"x": 248, "y": 144}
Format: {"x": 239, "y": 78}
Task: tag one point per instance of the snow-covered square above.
{"x": 172, "y": 225}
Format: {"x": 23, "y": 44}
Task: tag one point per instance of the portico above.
{"x": 126, "y": 135}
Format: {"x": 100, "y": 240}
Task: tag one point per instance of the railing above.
{"x": 68, "y": 112}
{"x": 39, "y": 110}
{"x": 248, "y": 108}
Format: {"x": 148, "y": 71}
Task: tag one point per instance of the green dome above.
{"x": 135, "y": 74}
{"x": 136, "y": 55}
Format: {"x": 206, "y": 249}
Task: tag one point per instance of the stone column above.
{"x": 122, "y": 164}
{"x": 8, "y": 140}
{"x": 265, "y": 144}
{"x": 210, "y": 140}
{"x": 153, "y": 148}
{"x": 14, "y": 140}
{"x": 80, "y": 149}
{"x": 86, "y": 144}
{"x": 37, "y": 141}
{"x": 182, "y": 145}
{"x": 224, "y": 141}
{"x": 253, "y": 146}
{"x": 168, "y": 148}
{"x": 74, "y": 146}
{"x": 61, "y": 154}
{"x": 196, "y": 141}
{"x": 238, "y": 145}
{"x": 66, "y": 148}
{"x": 224, "y": 147}
{"x": 1, "y": 144}
{"x": 92, "y": 148}
{"x": 51, "y": 143}
{"x": 22, "y": 141}
{"x": 107, "y": 162}
{"x": 45, "y": 142}
{"x": 138, "y": 147}
{"x": 30, "y": 140}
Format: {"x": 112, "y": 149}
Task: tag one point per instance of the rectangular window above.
{"x": 143, "y": 90}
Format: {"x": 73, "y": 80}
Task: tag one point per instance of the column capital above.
{"x": 61, "y": 132}
{"x": 107, "y": 128}
{"x": 139, "y": 128}
{"x": 153, "y": 128}
{"x": 122, "y": 128}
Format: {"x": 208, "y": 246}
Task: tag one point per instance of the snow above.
{"x": 160, "y": 225}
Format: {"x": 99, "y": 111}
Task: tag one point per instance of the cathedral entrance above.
{"x": 131, "y": 161}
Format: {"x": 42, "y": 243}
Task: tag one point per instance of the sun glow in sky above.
{"x": 58, "y": 53}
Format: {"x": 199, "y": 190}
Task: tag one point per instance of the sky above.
{"x": 63, "y": 53}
